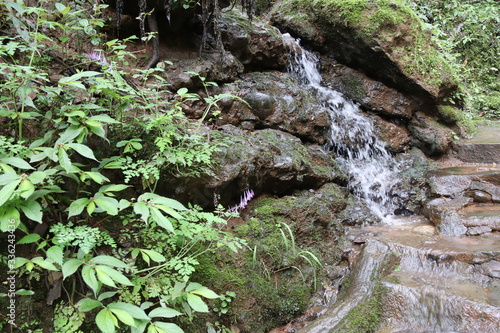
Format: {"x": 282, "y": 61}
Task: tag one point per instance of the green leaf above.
{"x": 96, "y": 176}
{"x": 77, "y": 207}
{"x": 113, "y": 188}
{"x": 7, "y": 169}
{"x": 87, "y": 304}
{"x": 103, "y": 277}
{"x": 20, "y": 261}
{"x": 70, "y": 267}
{"x": 70, "y": 134}
{"x": 44, "y": 263}
{"x": 65, "y": 161}
{"x": 205, "y": 292}
{"x": 80, "y": 75}
{"x": 105, "y": 295}
{"x": 16, "y": 162}
{"x": 114, "y": 274}
{"x": 88, "y": 275}
{"x": 162, "y": 221}
{"x": 164, "y": 312}
{"x": 158, "y": 199}
{"x": 55, "y": 254}
{"x": 123, "y": 203}
{"x": 24, "y": 292}
{"x": 7, "y": 178}
{"x": 170, "y": 212}
{"x": 108, "y": 260}
{"x": 105, "y": 320}
{"x": 90, "y": 208}
{"x": 196, "y": 303}
{"x": 168, "y": 327}
{"x": 31, "y": 238}
{"x": 37, "y": 177}
{"x": 32, "y": 210}
{"x": 9, "y": 213}
{"x": 104, "y": 118}
{"x": 7, "y": 190}
{"x": 26, "y": 188}
{"x": 124, "y": 316}
{"x": 110, "y": 205}
{"x": 154, "y": 255}
{"x": 133, "y": 310}
{"x": 82, "y": 150}
{"x": 142, "y": 209}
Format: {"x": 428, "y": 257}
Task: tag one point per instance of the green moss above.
{"x": 452, "y": 115}
{"x": 353, "y": 85}
{"x": 366, "y": 316}
{"x": 392, "y": 24}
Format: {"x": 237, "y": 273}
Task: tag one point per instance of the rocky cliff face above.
{"x": 375, "y": 53}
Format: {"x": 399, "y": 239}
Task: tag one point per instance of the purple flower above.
{"x": 99, "y": 57}
{"x": 244, "y": 200}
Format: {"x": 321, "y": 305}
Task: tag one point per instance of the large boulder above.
{"x": 256, "y": 45}
{"x": 266, "y": 161}
{"x": 370, "y": 94}
{"x": 273, "y": 100}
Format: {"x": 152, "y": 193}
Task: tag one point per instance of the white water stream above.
{"x": 371, "y": 168}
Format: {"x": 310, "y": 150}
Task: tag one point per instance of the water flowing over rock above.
{"x": 352, "y": 138}
{"x": 431, "y": 283}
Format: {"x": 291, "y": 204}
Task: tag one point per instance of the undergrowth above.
{"x": 81, "y": 151}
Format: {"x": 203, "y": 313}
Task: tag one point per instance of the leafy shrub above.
{"x": 56, "y": 172}
{"x": 468, "y": 33}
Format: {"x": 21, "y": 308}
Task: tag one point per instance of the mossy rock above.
{"x": 385, "y": 39}
{"x": 273, "y": 283}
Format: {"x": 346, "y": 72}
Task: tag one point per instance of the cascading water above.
{"x": 431, "y": 283}
{"x": 352, "y": 137}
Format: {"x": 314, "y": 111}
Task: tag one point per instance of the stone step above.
{"x": 483, "y": 148}
{"x": 461, "y": 216}
{"x": 439, "y": 283}
{"x": 482, "y": 183}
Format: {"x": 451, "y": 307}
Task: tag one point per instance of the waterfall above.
{"x": 360, "y": 153}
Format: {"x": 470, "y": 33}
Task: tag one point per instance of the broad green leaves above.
{"x": 150, "y": 207}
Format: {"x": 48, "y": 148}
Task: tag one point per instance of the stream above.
{"x": 430, "y": 282}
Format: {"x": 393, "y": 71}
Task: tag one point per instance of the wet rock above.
{"x": 449, "y": 185}
{"x": 357, "y": 213}
{"x": 475, "y": 182}
{"x": 474, "y": 231}
{"x": 479, "y": 196}
{"x": 185, "y": 72}
{"x": 256, "y": 45}
{"x": 375, "y": 45}
{"x": 483, "y": 148}
{"x": 491, "y": 269}
{"x": 431, "y": 137}
{"x": 372, "y": 95}
{"x": 443, "y": 212}
{"x": 275, "y": 101}
{"x": 482, "y": 215}
{"x": 268, "y": 160}
{"x": 397, "y": 137}
{"x": 410, "y": 193}
{"x": 459, "y": 216}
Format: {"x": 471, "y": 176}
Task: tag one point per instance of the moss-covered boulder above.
{"x": 293, "y": 244}
{"x": 258, "y": 46}
{"x": 267, "y": 161}
{"x": 384, "y": 39}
